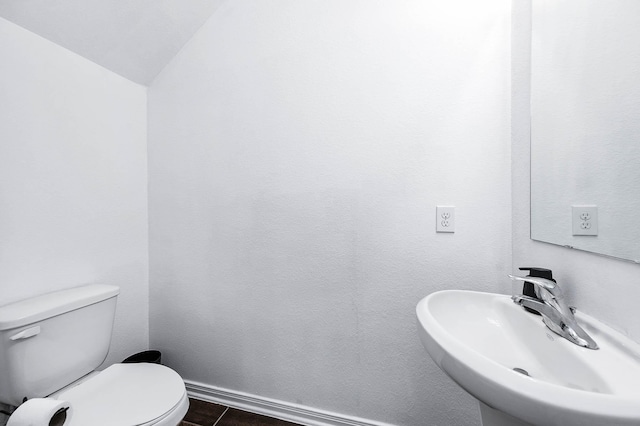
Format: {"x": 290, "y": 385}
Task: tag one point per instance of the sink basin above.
{"x": 512, "y": 363}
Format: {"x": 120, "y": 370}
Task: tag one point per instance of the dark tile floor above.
{"x": 207, "y": 414}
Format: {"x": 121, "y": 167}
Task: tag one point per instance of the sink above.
{"x": 521, "y": 372}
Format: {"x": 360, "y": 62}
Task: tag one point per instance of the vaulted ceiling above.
{"x": 134, "y": 38}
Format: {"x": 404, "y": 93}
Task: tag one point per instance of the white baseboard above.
{"x": 282, "y": 410}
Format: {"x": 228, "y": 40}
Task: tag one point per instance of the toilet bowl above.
{"x": 127, "y": 395}
{"x": 51, "y": 346}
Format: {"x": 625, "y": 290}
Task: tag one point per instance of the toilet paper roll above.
{"x": 41, "y": 412}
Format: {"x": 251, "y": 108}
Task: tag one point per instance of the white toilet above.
{"x": 50, "y": 346}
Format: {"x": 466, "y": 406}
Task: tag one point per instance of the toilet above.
{"x": 50, "y": 347}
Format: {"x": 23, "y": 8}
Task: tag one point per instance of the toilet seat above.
{"x": 128, "y": 395}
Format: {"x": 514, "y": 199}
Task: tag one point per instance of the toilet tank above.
{"x": 49, "y": 341}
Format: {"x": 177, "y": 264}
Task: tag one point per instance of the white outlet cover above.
{"x": 445, "y": 219}
{"x": 584, "y": 220}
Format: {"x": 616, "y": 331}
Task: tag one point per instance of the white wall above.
{"x": 73, "y": 187}
{"x": 605, "y": 288}
{"x": 297, "y": 151}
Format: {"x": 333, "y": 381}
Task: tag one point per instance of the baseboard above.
{"x": 282, "y": 410}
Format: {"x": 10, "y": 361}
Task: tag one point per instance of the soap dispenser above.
{"x": 529, "y": 288}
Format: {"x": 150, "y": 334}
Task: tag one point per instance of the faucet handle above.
{"x": 544, "y": 283}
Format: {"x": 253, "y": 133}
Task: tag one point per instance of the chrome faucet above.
{"x": 556, "y": 314}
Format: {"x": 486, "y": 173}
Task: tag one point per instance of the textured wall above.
{"x": 297, "y": 151}
{"x": 73, "y": 197}
{"x": 605, "y": 288}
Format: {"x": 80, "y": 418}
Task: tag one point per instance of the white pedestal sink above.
{"x": 524, "y": 374}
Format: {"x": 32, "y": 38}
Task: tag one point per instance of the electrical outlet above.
{"x": 584, "y": 220}
{"x": 445, "y": 219}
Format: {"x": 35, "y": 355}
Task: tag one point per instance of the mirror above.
{"x": 585, "y": 125}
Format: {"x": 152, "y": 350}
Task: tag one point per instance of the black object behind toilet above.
{"x": 529, "y": 289}
{"x": 154, "y": 357}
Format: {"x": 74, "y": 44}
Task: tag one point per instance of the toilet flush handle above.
{"x": 25, "y": 334}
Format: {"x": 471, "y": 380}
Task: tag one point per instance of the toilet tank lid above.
{"x": 48, "y": 305}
